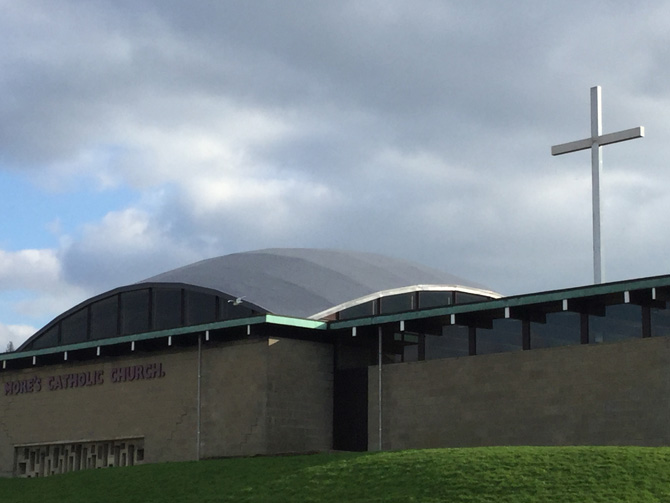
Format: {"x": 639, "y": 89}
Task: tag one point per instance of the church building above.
{"x": 303, "y": 350}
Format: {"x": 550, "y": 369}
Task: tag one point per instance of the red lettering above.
{"x": 135, "y": 372}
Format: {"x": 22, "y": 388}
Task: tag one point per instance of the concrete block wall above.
{"x": 266, "y": 396}
{"x": 257, "y": 396}
{"x": 608, "y": 394}
{"x": 161, "y": 409}
{"x": 300, "y": 396}
{"x": 234, "y": 399}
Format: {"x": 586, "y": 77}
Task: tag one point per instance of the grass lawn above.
{"x": 491, "y": 474}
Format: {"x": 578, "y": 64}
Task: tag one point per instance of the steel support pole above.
{"x": 379, "y": 390}
{"x": 198, "y": 399}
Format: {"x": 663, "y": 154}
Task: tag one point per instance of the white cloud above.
{"x": 34, "y": 269}
{"x": 16, "y": 334}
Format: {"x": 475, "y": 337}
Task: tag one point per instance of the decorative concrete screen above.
{"x": 50, "y": 459}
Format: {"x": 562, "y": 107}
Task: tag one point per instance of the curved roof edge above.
{"x": 406, "y": 289}
{"x": 130, "y": 288}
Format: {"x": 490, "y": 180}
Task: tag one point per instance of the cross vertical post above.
{"x": 596, "y": 171}
{"x": 595, "y": 143}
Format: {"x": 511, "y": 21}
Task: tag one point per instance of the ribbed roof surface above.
{"x": 301, "y": 281}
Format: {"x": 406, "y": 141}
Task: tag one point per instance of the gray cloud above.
{"x": 417, "y": 129}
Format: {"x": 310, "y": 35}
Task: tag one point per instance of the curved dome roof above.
{"x": 302, "y": 282}
{"x": 298, "y": 282}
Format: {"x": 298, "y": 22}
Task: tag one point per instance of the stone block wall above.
{"x": 607, "y": 394}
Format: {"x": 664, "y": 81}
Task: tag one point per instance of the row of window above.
{"x": 138, "y": 311}
{"x": 411, "y": 301}
{"x": 619, "y": 322}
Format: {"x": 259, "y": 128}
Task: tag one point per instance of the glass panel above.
{"x": 167, "y": 308}
{"x": 135, "y": 312}
{"x": 410, "y": 353}
{"x": 359, "y": 311}
{"x": 504, "y": 336}
{"x": 660, "y": 321}
{"x": 48, "y": 339}
{"x": 435, "y": 299}
{"x": 464, "y": 298}
{"x": 452, "y": 343}
{"x": 104, "y": 318}
{"x": 74, "y": 327}
{"x": 397, "y": 303}
{"x": 407, "y": 345}
{"x": 621, "y": 321}
{"x": 561, "y": 329}
{"x": 200, "y": 308}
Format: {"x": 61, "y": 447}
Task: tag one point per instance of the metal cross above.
{"x": 595, "y": 142}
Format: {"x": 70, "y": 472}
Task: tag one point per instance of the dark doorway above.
{"x": 350, "y": 411}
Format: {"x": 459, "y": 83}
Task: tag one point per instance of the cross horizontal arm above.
{"x": 628, "y": 134}
{"x": 606, "y": 139}
{"x": 573, "y": 146}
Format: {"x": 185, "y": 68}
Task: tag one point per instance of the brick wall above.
{"x": 609, "y": 394}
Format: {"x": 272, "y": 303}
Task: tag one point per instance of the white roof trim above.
{"x": 401, "y": 290}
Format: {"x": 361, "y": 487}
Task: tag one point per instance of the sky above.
{"x": 139, "y": 136}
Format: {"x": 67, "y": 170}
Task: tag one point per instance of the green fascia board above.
{"x": 513, "y": 301}
{"x": 158, "y": 334}
{"x": 296, "y": 322}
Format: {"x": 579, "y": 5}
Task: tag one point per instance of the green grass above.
{"x": 491, "y": 474}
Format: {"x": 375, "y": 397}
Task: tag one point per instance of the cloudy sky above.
{"x": 139, "y": 136}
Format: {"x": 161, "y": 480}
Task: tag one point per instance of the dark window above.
{"x": 397, "y": 303}
{"x": 167, "y": 308}
{"x": 359, "y": 311}
{"x": 621, "y": 321}
{"x": 407, "y": 346}
{"x": 104, "y": 318}
{"x": 561, "y": 329}
{"x": 435, "y": 299}
{"x": 410, "y": 353}
{"x": 452, "y": 343}
{"x": 135, "y": 312}
{"x": 465, "y": 298}
{"x": 504, "y": 336}
{"x": 200, "y": 308}
{"x": 660, "y": 321}
{"x": 74, "y": 327}
{"x": 48, "y": 339}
